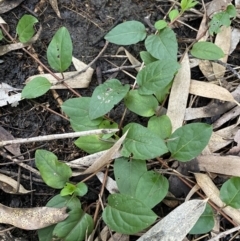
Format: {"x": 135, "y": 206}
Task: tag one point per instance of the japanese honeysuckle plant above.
{"x": 130, "y": 210}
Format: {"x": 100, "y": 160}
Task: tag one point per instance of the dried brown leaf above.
{"x": 235, "y": 38}
{"x": 32, "y": 218}
{"x": 209, "y": 90}
{"x": 179, "y": 94}
{"x": 54, "y": 5}
{"x": 217, "y": 5}
{"x": 9, "y": 185}
{"x": 225, "y": 165}
{"x": 6, "y": 5}
{"x": 235, "y": 150}
{"x": 177, "y": 224}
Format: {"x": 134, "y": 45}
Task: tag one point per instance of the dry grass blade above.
{"x": 54, "y": 5}
{"x": 32, "y": 218}
{"x": 179, "y": 94}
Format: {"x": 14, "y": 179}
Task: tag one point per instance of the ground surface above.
{"x": 87, "y": 22}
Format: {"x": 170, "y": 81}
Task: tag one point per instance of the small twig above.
{"x": 148, "y": 22}
{"x": 121, "y": 68}
{"x": 89, "y": 65}
{"x": 223, "y": 234}
{"x": 58, "y": 136}
{"x": 19, "y": 162}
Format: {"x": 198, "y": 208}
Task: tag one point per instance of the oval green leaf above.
{"x": 46, "y": 234}
{"x": 143, "y": 105}
{"x": 173, "y": 14}
{"x": 141, "y": 143}
{"x": 59, "y": 51}
{"x": 230, "y": 192}
{"x": 127, "y": 174}
{"x": 81, "y": 189}
{"x": 25, "y": 29}
{"x": 207, "y": 50}
{"x": 54, "y": 173}
{"x": 188, "y": 141}
{"x": 151, "y": 188}
{"x": 205, "y": 223}
{"x": 92, "y": 144}
{"x": 105, "y": 96}
{"x": 36, "y": 87}
{"x": 75, "y": 227}
{"x": 160, "y": 24}
{"x": 161, "y": 126}
{"x": 129, "y": 32}
{"x": 78, "y": 111}
{"x": 127, "y": 215}
{"x": 156, "y": 76}
{"x": 163, "y": 46}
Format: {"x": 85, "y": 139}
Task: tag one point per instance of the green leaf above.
{"x": 69, "y": 189}
{"x": 173, "y": 14}
{"x": 218, "y": 20}
{"x": 161, "y": 95}
{"x": 151, "y": 188}
{"x": 92, "y": 144}
{"x": 163, "y": 46}
{"x": 188, "y": 141}
{"x": 156, "y": 76}
{"x": 141, "y": 143}
{"x": 187, "y": 4}
{"x": 59, "y": 51}
{"x": 160, "y": 24}
{"x": 59, "y": 201}
{"x": 205, "y": 223}
{"x": 36, "y": 87}
{"x": 230, "y": 192}
{"x": 78, "y": 111}
{"x": 54, "y": 173}
{"x": 45, "y": 234}
{"x": 106, "y": 124}
{"x": 75, "y": 227}
{"x": 105, "y": 96}
{"x": 127, "y": 174}
{"x": 161, "y": 126}
{"x": 25, "y": 29}
{"x": 1, "y": 35}
{"x": 81, "y": 190}
{"x": 207, "y": 50}
{"x": 129, "y": 32}
{"x": 231, "y": 10}
{"x": 143, "y": 105}
{"x": 127, "y": 215}
{"x": 146, "y": 57}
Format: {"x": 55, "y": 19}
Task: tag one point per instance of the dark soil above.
{"x": 87, "y": 22}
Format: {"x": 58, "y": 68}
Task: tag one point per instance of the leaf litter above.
{"x": 217, "y": 161}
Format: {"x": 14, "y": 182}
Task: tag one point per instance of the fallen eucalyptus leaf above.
{"x": 32, "y": 218}
{"x": 176, "y": 225}
{"x": 9, "y": 185}
{"x": 6, "y": 6}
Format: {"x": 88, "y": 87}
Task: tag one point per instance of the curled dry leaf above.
{"x": 3, "y": 22}
{"x": 54, "y": 5}
{"x": 32, "y": 218}
{"x": 6, "y": 5}
{"x": 9, "y": 185}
